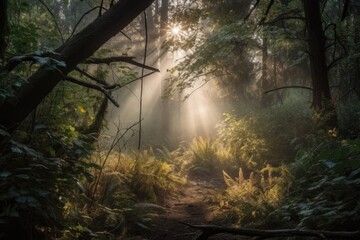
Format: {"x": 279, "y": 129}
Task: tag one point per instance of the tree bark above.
{"x": 76, "y": 50}
{"x": 3, "y": 29}
{"x": 322, "y": 100}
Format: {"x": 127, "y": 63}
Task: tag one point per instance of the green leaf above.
{"x": 5, "y": 174}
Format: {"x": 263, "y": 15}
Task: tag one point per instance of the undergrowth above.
{"x": 124, "y": 199}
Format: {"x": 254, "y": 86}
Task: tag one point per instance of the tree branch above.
{"x": 76, "y": 50}
{"x": 266, "y": 12}
{"x": 90, "y": 76}
{"x": 286, "y": 87}
{"x": 42, "y": 57}
{"x": 103, "y": 89}
{"x": 252, "y": 9}
{"x": 209, "y": 230}
{"x": 125, "y": 59}
{"x": 81, "y": 18}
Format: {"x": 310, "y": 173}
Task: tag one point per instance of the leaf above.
{"x": 40, "y": 126}
{"x": 21, "y": 148}
{"x": 328, "y": 164}
{"x": 5, "y": 174}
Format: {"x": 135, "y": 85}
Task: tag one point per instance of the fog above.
{"x": 165, "y": 121}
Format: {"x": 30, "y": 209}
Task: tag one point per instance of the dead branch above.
{"x": 209, "y": 230}
{"x": 125, "y": 59}
{"x": 90, "y": 76}
{"x": 286, "y": 87}
{"x": 102, "y": 88}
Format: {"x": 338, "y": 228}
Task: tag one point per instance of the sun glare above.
{"x": 175, "y": 30}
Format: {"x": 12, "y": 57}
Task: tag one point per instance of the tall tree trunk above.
{"x": 3, "y": 29}
{"x": 355, "y": 81}
{"x": 322, "y": 100}
{"x": 165, "y": 104}
{"x": 73, "y": 52}
{"x": 265, "y": 83}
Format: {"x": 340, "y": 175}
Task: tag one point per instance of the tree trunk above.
{"x": 165, "y": 104}
{"x": 3, "y": 29}
{"x": 322, "y": 100}
{"x": 73, "y": 52}
{"x": 265, "y": 83}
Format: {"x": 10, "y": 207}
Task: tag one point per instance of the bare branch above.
{"x": 125, "y": 59}
{"x": 90, "y": 77}
{"x": 148, "y": 74}
{"x": 209, "y": 230}
{"x": 101, "y": 7}
{"x": 252, "y": 9}
{"x": 334, "y": 62}
{"x": 266, "y": 12}
{"x": 286, "y": 87}
{"x": 77, "y": 24}
{"x": 103, "y": 89}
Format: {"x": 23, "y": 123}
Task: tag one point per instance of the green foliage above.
{"x": 123, "y": 199}
{"x": 34, "y": 186}
{"x": 258, "y": 138}
{"x": 247, "y": 202}
{"x": 325, "y": 188}
{"x": 204, "y": 156}
{"x": 152, "y": 178}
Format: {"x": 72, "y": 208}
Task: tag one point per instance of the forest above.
{"x": 179, "y": 119}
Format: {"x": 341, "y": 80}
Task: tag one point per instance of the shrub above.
{"x": 123, "y": 199}
{"x": 204, "y": 156}
{"x": 325, "y": 188}
{"x": 249, "y": 201}
{"x": 266, "y": 136}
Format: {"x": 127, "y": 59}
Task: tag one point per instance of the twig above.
{"x": 114, "y": 143}
{"x": 101, "y": 6}
{"x": 125, "y": 59}
{"x": 103, "y": 89}
{"x": 266, "y": 12}
{"x": 209, "y": 230}
{"x": 142, "y": 80}
{"x": 286, "y": 87}
{"x": 77, "y": 24}
{"x": 252, "y": 9}
{"x": 90, "y": 76}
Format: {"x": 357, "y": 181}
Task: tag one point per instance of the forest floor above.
{"x": 193, "y": 204}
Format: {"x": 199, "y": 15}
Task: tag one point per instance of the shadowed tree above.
{"x": 317, "y": 54}
{"x": 3, "y": 29}
{"x": 73, "y": 52}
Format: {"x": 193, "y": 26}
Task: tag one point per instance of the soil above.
{"x": 193, "y": 204}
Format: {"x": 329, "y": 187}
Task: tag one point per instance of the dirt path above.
{"x": 191, "y": 204}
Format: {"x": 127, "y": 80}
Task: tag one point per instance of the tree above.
{"x": 317, "y": 54}
{"x": 3, "y": 29}
{"x": 76, "y": 50}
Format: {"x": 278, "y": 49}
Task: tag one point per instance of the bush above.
{"x": 266, "y": 136}
{"x": 204, "y": 156}
{"x": 247, "y": 202}
{"x": 325, "y": 188}
{"x": 123, "y": 199}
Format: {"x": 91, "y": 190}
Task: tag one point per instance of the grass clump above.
{"x": 122, "y": 200}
